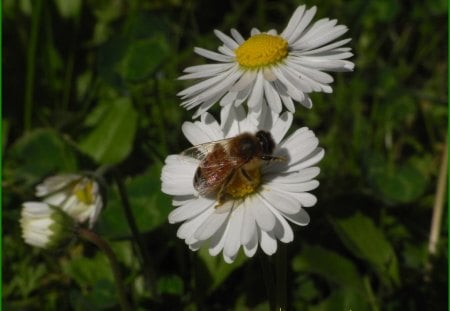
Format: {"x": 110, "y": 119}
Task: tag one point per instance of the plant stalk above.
{"x": 281, "y": 279}
{"x": 146, "y": 262}
{"x": 436, "y": 220}
{"x": 268, "y": 280}
{"x": 90, "y": 236}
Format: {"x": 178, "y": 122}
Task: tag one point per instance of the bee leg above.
{"x": 222, "y": 194}
{"x": 246, "y": 175}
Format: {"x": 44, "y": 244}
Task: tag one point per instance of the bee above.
{"x": 232, "y": 167}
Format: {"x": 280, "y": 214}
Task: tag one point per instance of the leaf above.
{"x": 328, "y": 264}
{"x": 172, "y": 285}
{"x": 68, "y": 8}
{"x": 367, "y": 242}
{"x": 149, "y": 205}
{"x": 342, "y": 299}
{"x": 111, "y": 140}
{"x": 144, "y": 57}
{"x": 37, "y": 154}
{"x": 87, "y": 271}
{"x": 402, "y": 184}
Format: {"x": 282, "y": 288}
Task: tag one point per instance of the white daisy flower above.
{"x": 45, "y": 226}
{"x": 79, "y": 196}
{"x": 281, "y": 68}
{"x": 252, "y": 215}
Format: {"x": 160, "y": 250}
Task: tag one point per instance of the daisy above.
{"x": 77, "y": 195}
{"x": 253, "y": 217}
{"x": 280, "y": 68}
{"x": 45, "y": 226}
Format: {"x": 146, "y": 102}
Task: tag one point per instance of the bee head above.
{"x": 265, "y": 141}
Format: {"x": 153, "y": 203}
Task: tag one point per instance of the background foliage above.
{"x": 92, "y": 83}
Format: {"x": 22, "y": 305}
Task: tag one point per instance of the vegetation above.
{"x": 91, "y": 85}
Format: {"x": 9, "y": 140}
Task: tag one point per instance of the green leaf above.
{"x": 329, "y": 265}
{"x": 101, "y": 296}
{"x": 144, "y": 57}
{"x": 111, "y": 140}
{"x": 68, "y": 8}
{"x": 37, "y": 154}
{"x": 149, "y": 205}
{"x": 367, "y": 242}
{"x": 172, "y": 285}
{"x": 402, "y": 184}
{"x": 87, "y": 271}
{"x": 342, "y": 299}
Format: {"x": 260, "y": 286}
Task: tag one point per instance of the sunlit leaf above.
{"x": 144, "y": 57}
{"x": 401, "y": 184}
{"x": 111, "y": 140}
{"x": 328, "y": 264}
{"x": 367, "y": 242}
{"x": 39, "y": 153}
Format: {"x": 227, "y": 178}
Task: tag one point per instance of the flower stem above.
{"x": 436, "y": 221}
{"x": 90, "y": 236}
{"x": 281, "y": 268}
{"x": 268, "y": 280}
{"x": 146, "y": 262}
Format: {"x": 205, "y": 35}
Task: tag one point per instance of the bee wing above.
{"x": 200, "y": 152}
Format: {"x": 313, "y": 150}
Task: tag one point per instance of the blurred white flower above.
{"x": 280, "y": 68}
{"x": 255, "y": 216}
{"x": 79, "y": 196}
{"x": 45, "y": 226}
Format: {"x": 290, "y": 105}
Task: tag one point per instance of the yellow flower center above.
{"x": 84, "y": 192}
{"x": 261, "y": 50}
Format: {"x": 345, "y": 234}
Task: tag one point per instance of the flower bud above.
{"x": 46, "y": 226}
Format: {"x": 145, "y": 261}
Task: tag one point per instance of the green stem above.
{"x": 31, "y": 64}
{"x": 268, "y": 280}
{"x": 146, "y": 262}
{"x": 370, "y": 295}
{"x": 281, "y": 268}
{"x": 90, "y": 236}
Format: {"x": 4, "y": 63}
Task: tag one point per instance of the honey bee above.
{"x": 232, "y": 167}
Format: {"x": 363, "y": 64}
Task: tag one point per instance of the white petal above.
{"x": 272, "y": 97}
{"x": 293, "y": 22}
{"x": 233, "y": 241}
{"x": 268, "y": 242}
{"x": 245, "y": 80}
{"x": 178, "y": 174}
{"x": 279, "y": 200}
{"x": 301, "y": 218}
{"x": 294, "y": 187}
{"x": 191, "y": 209}
{"x": 188, "y": 228}
{"x": 281, "y": 126}
{"x": 263, "y": 216}
{"x": 257, "y": 92}
{"x": 248, "y": 226}
{"x": 213, "y": 55}
{"x": 211, "y": 225}
{"x": 229, "y": 42}
{"x": 306, "y": 19}
{"x": 237, "y": 36}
